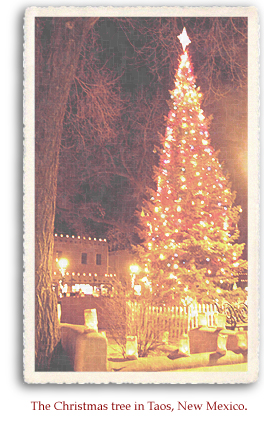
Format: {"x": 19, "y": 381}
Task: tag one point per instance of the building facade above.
{"x": 85, "y": 268}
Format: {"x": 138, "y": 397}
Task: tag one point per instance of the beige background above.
{"x": 16, "y": 397}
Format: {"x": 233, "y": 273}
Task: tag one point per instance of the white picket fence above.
{"x": 172, "y": 319}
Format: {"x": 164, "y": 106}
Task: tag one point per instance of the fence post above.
{"x": 185, "y": 320}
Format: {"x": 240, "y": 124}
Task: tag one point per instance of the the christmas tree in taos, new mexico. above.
{"x": 191, "y": 222}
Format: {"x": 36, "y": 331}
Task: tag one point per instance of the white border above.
{"x": 253, "y": 203}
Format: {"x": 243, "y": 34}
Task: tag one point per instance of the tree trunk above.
{"x": 58, "y": 46}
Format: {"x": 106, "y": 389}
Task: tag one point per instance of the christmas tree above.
{"x": 189, "y": 251}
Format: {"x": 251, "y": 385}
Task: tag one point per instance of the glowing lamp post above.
{"x": 134, "y": 269}
{"x": 63, "y": 263}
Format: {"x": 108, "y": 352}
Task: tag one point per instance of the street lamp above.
{"x": 63, "y": 263}
{"x": 134, "y": 269}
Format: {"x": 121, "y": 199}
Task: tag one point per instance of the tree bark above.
{"x": 58, "y": 46}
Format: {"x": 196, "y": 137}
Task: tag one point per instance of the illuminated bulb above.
{"x": 178, "y": 208}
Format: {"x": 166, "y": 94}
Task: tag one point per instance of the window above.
{"x": 98, "y": 259}
{"x": 84, "y": 258}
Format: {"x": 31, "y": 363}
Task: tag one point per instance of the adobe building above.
{"x": 119, "y": 263}
{"x": 87, "y": 265}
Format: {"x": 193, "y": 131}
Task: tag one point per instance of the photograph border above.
{"x": 168, "y": 377}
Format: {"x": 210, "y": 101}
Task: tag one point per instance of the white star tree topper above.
{"x": 184, "y": 39}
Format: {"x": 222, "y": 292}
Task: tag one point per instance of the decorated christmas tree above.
{"x": 190, "y": 251}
